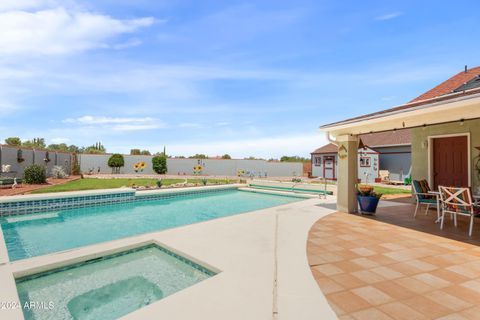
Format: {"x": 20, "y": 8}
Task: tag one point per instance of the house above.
{"x": 389, "y": 151}
{"x": 445, "y": 136}
{"x": 325, "y": 160}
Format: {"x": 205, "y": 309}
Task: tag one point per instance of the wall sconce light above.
{"x": 425, "y": 144}
{"x": 462, "y": 121}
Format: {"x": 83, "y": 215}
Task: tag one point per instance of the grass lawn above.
{"x": 91, "y": 184}
{"x": 387, "y": 190}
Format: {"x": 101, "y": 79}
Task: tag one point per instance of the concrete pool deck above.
{"x": 260, "y": 256}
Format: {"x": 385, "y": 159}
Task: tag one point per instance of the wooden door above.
{"x": 329, "y": 167}
{"x": 450, "y": 162}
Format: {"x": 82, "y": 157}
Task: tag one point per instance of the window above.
{"x": 365, "y": 161}
{"x": 317, "y": 160}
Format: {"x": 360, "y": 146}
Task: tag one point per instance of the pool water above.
{"x": 110, "y": 287}
{"x": 38, "y": 234}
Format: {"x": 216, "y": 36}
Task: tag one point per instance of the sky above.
{"x": 247, "y": 78}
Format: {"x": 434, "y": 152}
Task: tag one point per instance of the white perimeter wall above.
{"x": 98, "y": 163}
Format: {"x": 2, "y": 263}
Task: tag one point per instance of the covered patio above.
{"x": 395, "y": 265}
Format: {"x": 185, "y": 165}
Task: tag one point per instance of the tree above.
{"x": 145, "y": 152}
{"x": 75, "y": 149}
{"x": 159, "y": 164}
{"x": 252, "y": 158}
{"x": 135, "y": 152}
{"x": 13, "y": 141}
{"x": 226, "y": 156}
{"x": 294, "y": 159}
{"x": 97, "y": 148}
{"x": 116, "y": 161}
{"x": 58, "y": 147}
{"x": 38, "y": 143}
{"x": 199, "y": 156}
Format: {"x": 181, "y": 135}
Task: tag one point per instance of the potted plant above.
{"x": 367, "y": 199}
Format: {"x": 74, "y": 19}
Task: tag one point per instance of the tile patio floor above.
{"x": 372, "y": 268}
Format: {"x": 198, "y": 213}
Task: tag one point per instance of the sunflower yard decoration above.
{"x": 197, "y": 169}
{"x": 139, "y": 166}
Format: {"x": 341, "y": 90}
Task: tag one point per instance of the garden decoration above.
{"x": 197, "y": 169}
{"x": 20, "y": 158}
{"x": 139, "y": 166}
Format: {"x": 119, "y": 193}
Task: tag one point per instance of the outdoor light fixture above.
{"x": 462, "y": 121}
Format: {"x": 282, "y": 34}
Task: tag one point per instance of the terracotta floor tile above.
{"x": 364, "y": 252}
{"x": 400, "y": 311}
{"x": 327, "y": 285}
{"x": 463, "y": 293}
{"x": 421, "y": 265}
{"x": 391, "y": 266}
{"x": 370, "y": 314}
{"x": 447, "y": 300}
{"x": 372, "y": 295}
{"x": 368, "y": 276}
{"x": 427, "y": 307}
{"x": 432, "y": 280}
{"x": 464, "y": 270}
{"x": 387, "y": 273}
{"x": 365, "y": 263}
{"x": 394, "y": 290}
{"x": 328, "y": 269}
{"x": 414, "y": 285}
{"x": 347, "y": 301}
{"x": 452, "y": 316}
{"x": 472, "y": 285}
{"x": 471, "y": 313}
{"x": 450, "y": 276}
{"x": 348, "y": 281}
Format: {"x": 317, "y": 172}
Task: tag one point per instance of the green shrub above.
{"x": 115, "y": 162}
{"x": 204, "y": 181}
{"x": 35, "y": 174}
{"x": 159, "y": 164}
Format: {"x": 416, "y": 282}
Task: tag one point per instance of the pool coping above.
{"x": 11, "y": 270}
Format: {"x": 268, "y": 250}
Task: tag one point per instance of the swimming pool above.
{"x": 33, "y": 235}
{"x": 108, "y": 287}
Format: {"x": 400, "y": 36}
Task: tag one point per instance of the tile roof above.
{"x": 443, "y": 92}
{"x": 387, "y": 138}
{"x": 449, "y": 85}
{"x": 328, "y": 148}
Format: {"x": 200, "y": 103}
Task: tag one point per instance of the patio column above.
{"x": 347, "y": 173}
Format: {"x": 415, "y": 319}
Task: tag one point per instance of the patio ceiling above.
{"x": 449, "y": 110}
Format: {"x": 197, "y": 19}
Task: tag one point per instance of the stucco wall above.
{"x": 98, "y": 163}
{"x": 420, "y": 149}
{"x": 8, "y": 155}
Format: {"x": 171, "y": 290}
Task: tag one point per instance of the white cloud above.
{"x": 60, "y": 140}
{"x": 275, "y": 147}
{"x": 388, "y": 16}
{"x": 86, "y": 120}
{"x": 117, "y": 123}
{"x": 60, "y": 31}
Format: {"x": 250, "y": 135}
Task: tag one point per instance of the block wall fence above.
{"x": 228, "y": 167}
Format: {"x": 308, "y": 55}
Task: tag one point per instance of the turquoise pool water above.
{"x": 110, "y": 287}
{"x": 65, "y": 229}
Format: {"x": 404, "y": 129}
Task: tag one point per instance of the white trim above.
{"x": 415, "y": 117}
{"x": 398, "y": 114}
{"x": 430, "y": 154}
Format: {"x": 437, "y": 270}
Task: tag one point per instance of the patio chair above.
{"x": 457, "y": 201}
{"x": 420, "y": 191}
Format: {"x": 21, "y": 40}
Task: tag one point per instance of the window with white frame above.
{"x": 365, "y": 161}
{"x": 317, "y": 160}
